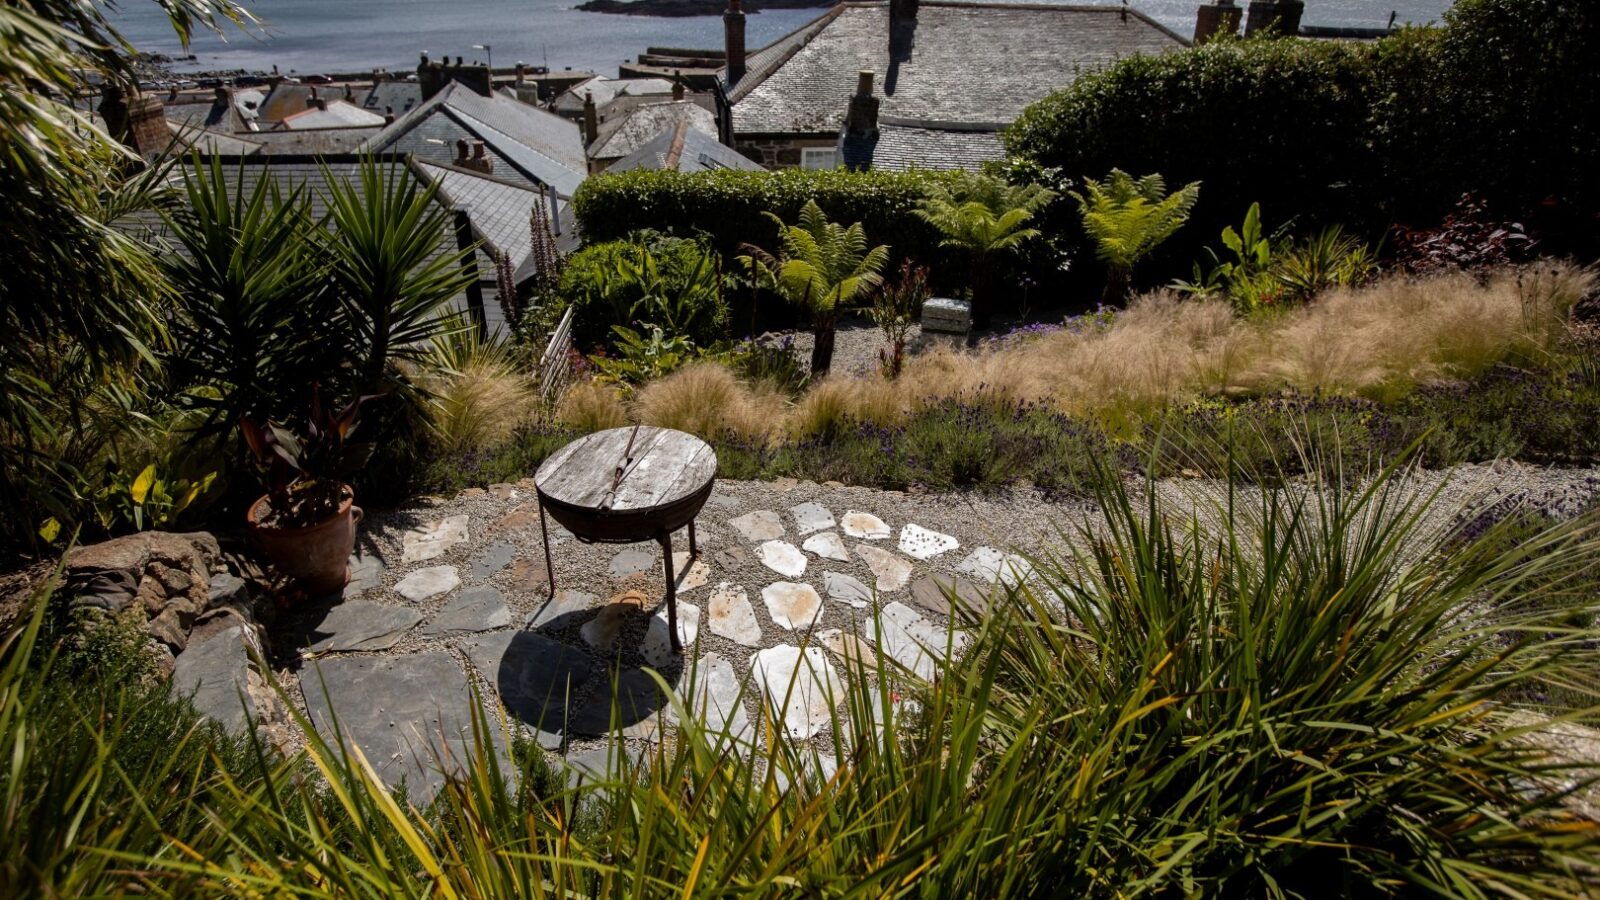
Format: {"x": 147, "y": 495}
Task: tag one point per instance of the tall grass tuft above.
{"x": 706, "y": 399}
{"x": 478, "y": 394}
{"x": 591, "y": 406}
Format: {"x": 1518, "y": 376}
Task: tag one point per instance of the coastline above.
{"x": 675, "y": 9}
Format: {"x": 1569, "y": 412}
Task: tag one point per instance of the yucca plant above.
{"x": 1129, "y": 217}
{"x": 822, "y": 266}
{"x": 983, "y": 218}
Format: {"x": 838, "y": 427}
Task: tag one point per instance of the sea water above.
{"x": 307, "y": 36}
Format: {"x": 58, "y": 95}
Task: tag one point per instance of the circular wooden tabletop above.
{"x": 630, "y": 469}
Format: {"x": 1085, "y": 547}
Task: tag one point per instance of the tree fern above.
{"x": 1128, "y": 217}
{"x": 984, "y": 218}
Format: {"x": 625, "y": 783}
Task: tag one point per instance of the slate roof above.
{"x": 915, "y": 144}
{"x": 285, "y": 99}
{"x": 529, "y": 146}
{"x": 623, "y": 135}
{"x": 684, "y": 149}
{"x": 604, "y": 90}
{"x": 968, "y": 62}
{"x": 339, "y": 114}
{"x": 317, "y": 141}
{"x": 401, "y": 96}
{"x": 499, "y": 210}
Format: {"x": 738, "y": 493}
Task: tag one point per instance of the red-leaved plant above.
{"x": 305, "y": 473}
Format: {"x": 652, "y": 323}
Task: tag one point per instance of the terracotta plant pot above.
{"x": 316, "y": 556}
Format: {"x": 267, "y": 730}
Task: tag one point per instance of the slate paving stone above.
{"x": 932, "y": 593}
{"x": 905, "y": 637}
{"x": 565, "y": 603}
{"x": 847, "y": 589}
{"x": 433, "y": 539}
{"x": 425, "y": 584}
{"x": 864, "y": 525}
{"x": 809, "y": 517}
{"x": 731, "y": 616}
{"x": 535, "y": 676}
{"x": 530, "y": 577}
{"x": 853, "y": 652}
{"x": 792, "y": 605}
{"x": 490, "y": 560}
{"x": 411, "y": 714}
{"x": 214, "y": 674}
{"x": 923, "y": 543}
{"x": 827, "y": 545}
{"x": 362, "y": 625}
{"x": 657, "y": 645}
{"x": 731, "y": 558}
{"x": 637, "y": 700}
{"x": 696, "y": 575}
{"x": 601, "y": 632}
{"x": 476, "y": 609}
{"x": 712, "y": 693}
{"x": 891, "y": 571}
{"x": 801, "y": 685}
{"x": 632, "y": 562}
{"x": 587, "y": 766}
{"x": 760, "y": 525}
{"x": 986, "y": 565}
{"x": 782, "y": 557}
{"x": 365, "y": 573}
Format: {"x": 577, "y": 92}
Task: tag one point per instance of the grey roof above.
{"x": 286, "y": 99}
{"x": 921, "y": 145}
{"x": 968, "y": 62}
{"x": 339, "y": 114}
{"x": 216, "y": 143}
{"x": 401, "y": 96}
{"x": 604, "y": 90}
{"x": 528, "y": 145}
{"x": 623, "y": 135}
{"x": 684, "y": 149}
{"x": 499, "y": 210}
{"x": 309, "y": 142}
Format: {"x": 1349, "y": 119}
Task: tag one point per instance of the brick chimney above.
{"x": 733, "y": 34}
{"x": 1278, "y": 16}
{"x": 388, "y": 115}
{"x": 433, "y": 77}
{"x": 677, "y": 84}
{"x": 139, "y": 121}
{"x": 591, "y": 120}
{"x": 312, "y": 99}
{"x": 1216, "y": 19}
{"x": 461, "y": 153}
{"x": 902, "y": 28}
{"x": 480, "y": 161}
{"x": 861, "y": 119}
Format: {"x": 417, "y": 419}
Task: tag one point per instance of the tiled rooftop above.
{"x": 604, "y": 90}
{"x": 967, "y": 63}
{"x": 916, "y": 145}
{"x": 339, "y": 114}
{"x": 683, "y": 149}
{"x": 625, "y": 134}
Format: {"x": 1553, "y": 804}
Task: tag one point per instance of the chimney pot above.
{"x": 461, "y": 151}
{"x": 733, "y": 40}
{"x": 522, "y": 73}
{"x": 677, "y": 84}
{"x": 864, "y": 83}
{"x": 322, "y": 103}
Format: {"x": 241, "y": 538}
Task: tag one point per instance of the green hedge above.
{"x": 728, "y": 205}
{"x": 1502, "y": 101}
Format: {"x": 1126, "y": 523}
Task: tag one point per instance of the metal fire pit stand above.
{"x": 624, "y": 486}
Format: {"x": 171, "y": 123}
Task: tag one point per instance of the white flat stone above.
{"x": 924, "y": 543}
{"x": 864, "y": 525}
{"x": 657, "y": 646}
{"x": 782, "y": 557}
{"x": 847, "y": 589}
{"x": 761, "y": 525}
{"x": 892, "y": 571}
{"x": 809, "y": 517}
{"x": 802, "y": 685}
{"x": 732, "y": 616}
{"x": 827, "y": 545}
{"x": 907, "y": 638}
{"x": 433, "y": 539}
{"x": 699, "y": 573}
{"x": 424, "y": 584}
{"x": 713, "y": 695}
{"x": 852, "y": 651}
{"x": 986, "y": 565}
{"x": 792, "y": 605}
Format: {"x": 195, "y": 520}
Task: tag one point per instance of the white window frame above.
{"x": 819, "y": 157}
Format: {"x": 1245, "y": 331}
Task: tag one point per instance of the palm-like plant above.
{"x": 1128, "y": 217}
{"x": 823, "y": 266}
{"x": 985, "y": 218}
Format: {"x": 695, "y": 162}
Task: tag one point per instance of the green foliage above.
{"x": 1129, "y": 217}
{"x": 642, "y": 359}
{"x": 1270, "y": 270}
{"x": 305, "y": 471}
{"x": 983, "y": 218}
{"x": 895, "y": 310}
{"x": 649, "y": 279}
{"x": 150, "y": 500}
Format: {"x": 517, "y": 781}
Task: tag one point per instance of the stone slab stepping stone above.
{"x": 731, "y": 616}
{"x": 530, "y": 577}
{"x": 801, "y": 686}
{"x": 713, "y": 694}
{"x": 425, "y": 584}
{"x": 601, "y": 631}
{"x": 986, "y": 565}
{"x": 827, "y": 545}
{"x": 923, "y": 543}
{"x": 535, "y": 677}
{"x": 731, "y": 558}
{"x": 431, "y": 540}
{"x": 932, "y": 593}
{"x": 526, "y": 516}
{"x": 761, "y": 525}
{"x": 215, "y": 675}
{"x": 782, "y": 557}
{"x": 847, "y": 589}
{"x": 699, "y": 573}
{"x": 852, "y": 651}
{"x": 564, "y": 603}
{"x": 864, "y": 525}
{"x": 587, "y": 766}
{"x": 638, "y": 698}
{"x": 490, "y": 560}
{"x": 809, "y": 517}
{"x": 892, "y": 571}
{"x": 723, "y": 501}
{"x": 792, "y": 605}
{"x": 504, "y": 491}
{"x": 362, "y": 625}
{"x": 365, "y": 573}
{"x": 632, "y": 562}
{"x": 411, "y": 715}
{"x": 476, "y": 609}
{"x": 906, "y": 637}
{"x": 657, "y": 646}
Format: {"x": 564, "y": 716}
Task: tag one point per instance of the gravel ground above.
{"x": 1021, "y": 520}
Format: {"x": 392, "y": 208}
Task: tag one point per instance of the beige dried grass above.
{"x": 707, "y": 400}
{"x": 480, "y": 405}
{"x": 591, "y": 406}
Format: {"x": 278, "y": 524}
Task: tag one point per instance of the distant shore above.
{"x": 670, "y": 9}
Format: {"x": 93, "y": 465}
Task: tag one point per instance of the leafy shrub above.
{"x": 648, "y": 279}
{"x": 1467, "y": 240}
{"x": 1127, "y": 218}
{"x": 1269, "y": 270}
